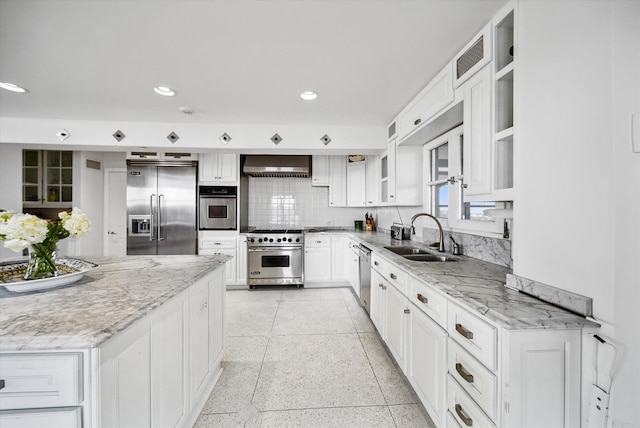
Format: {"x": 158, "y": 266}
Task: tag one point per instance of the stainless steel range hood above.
{"x": 277, "y": 166}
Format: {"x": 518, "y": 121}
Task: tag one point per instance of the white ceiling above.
{"x": 229, "y": 61}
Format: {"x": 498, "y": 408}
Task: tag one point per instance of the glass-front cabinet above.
{"x": 47, "y": 178}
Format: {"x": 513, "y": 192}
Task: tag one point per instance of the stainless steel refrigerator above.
{"x": 161, "y": 208}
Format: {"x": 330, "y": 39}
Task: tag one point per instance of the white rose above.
{"x": 23, "y": 230}
{"x": 76, "y": 223}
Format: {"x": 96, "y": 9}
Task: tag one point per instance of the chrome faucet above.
{"x": 413, "y": 229}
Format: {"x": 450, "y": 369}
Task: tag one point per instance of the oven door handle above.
{"x": 265, "y": 249}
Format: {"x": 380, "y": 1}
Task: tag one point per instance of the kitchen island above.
{"x": 136, "y": 342}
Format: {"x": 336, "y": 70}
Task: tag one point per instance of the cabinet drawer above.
{"x": 397, "y": 277}
{"x": 429, "y": 301}
{"x": 40, "y": 380}
{"x": 379, "y": 264}
{"x": 317, "y": 241}
{"x": 475, "y": 379}
{"x": 475, "y": 335}
{"x": 208, "y": 244}
{"x": 68, "y": 417}
{"x": 463, "y": 409}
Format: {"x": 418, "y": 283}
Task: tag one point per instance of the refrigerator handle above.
{"x": 151, "y": 217}
{"x": 160, "y": 209}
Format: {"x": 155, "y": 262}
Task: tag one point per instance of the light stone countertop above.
{"x": 107, "y": 300}
{"x": 478, "y": 286}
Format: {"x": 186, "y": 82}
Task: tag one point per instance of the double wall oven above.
{"x": 275, "y": 257}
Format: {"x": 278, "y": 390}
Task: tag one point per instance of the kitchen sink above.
{"x": 401, "y": 251}
{"x": 419, "y": 255}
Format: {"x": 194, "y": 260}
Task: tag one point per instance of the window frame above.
{"x": 456, "y": 143}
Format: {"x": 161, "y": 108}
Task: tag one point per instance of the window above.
{"x": 445, "y": 186}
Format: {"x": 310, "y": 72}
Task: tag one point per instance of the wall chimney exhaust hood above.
{"x": 277, "y": 166}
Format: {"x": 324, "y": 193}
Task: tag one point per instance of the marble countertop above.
{"x": 479, "y": 287}
{"x": 104, "y": 302}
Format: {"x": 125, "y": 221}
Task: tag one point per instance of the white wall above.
{"x": 245, "y": 138}
{"x": 577, "y": 204}
{"x": 10, "y": 186}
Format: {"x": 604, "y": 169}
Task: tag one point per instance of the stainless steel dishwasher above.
{"x": 365, "y": 275}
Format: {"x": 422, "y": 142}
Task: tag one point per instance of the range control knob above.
{"x": 297, "y": 239}
{"x": 270, "y": 239}
{"x": 252, "y": 240}
{"x": 279, "y": 240}
{"x": 284, "y": 239}
{"x": 259, "y": 240}
{"x": 289, "y": 239}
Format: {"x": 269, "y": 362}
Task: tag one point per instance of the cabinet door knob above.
{"x": 466, "y": 419}
{"x": 417, "y": 121}
{"x": 381, "y": 286}
{"x": 422, "y": 298}
{"x": 384, "y": 287}
{"x": 464, "y": 373}
{"x": 393, "y": 276}
{"x": 464, "y": 332}
{"x": 407, "y": 311}
{"x": 376, "y": 263}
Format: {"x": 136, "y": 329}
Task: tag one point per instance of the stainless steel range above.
{"x": 275, "y": 257}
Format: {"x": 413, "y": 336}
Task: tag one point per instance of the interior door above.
{"x": 115, "y": 243}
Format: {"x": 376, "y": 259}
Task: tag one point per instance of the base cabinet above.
{"x": 161, "y": 370}
{"x": 427, "y": 358}
{"x": 467, "y": 370}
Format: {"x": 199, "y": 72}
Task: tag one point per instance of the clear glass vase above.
{"x": 42, "y": 262}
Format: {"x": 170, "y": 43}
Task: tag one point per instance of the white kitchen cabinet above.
{"x": 356, "y": 184}
{"x": 125, "y": 368}
{"x": 338, "y": 182}
{"x": 339, "y": 258}
{"x": 168, "y": 387}
{"x": 47, "y": 178}
{"x": 378, "y": 303}
{"x": 427, "y": 359}
{"x": 473, "y": 57}
{"x": 397, "y": 316}
{"x": 477, "y": 165}
{"x": 218, "y": 168}
{"x": 353, "y": 261}
{"x": 401, "y": 186}
{"x": 320, "y": 169}
{"x": 242, "y": 260}
{"x": 435, "y": 97}
{"x": 505, "y": 77}
{"x": 38, "y": 418}
{"x": 372, "y": 181}
{"x": 161, "y": 370}
{"x": 210, "y": 243}
{"x": 317, "y": 258}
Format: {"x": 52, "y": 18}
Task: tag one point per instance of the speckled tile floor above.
{"x": 307, "y": 358}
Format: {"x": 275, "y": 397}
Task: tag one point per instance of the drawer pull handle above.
{"x": 407, "y": 311}
{"x": 464, "y": 373}
{"x": 381, "y": 286}
{"x": 393, "y": 276}
{"x": 376, "y": 263}
{"x": 422, "y": 298}
{"x": 466, "y": 419}
{"x": 1, "y": 383}
{"x": 464, "y": 332}
{"x": 384, "y": 287}
{"x": 417, "y": 122}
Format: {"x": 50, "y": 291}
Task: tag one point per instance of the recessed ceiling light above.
{"x": 164, "y": 91}
{"x": 309, "y": 95}
{"x": 13, "y": 88}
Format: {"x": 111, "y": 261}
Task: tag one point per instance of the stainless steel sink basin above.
{"x": 428, "y": 258}
{"x": 401, "y": 251}
{"x": 419, "y": 255}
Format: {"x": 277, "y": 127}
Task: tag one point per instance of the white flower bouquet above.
{"x": 20, "y": 231}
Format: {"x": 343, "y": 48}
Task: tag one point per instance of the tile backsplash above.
{"x": 294, "y": 203}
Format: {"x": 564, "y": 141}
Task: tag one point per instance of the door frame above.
{"x": 106, "y": 204}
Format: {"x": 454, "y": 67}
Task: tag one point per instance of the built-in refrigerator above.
{"x": 161, "y": 208}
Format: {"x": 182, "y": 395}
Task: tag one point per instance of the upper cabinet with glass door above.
{"x": 47, "y": 178}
